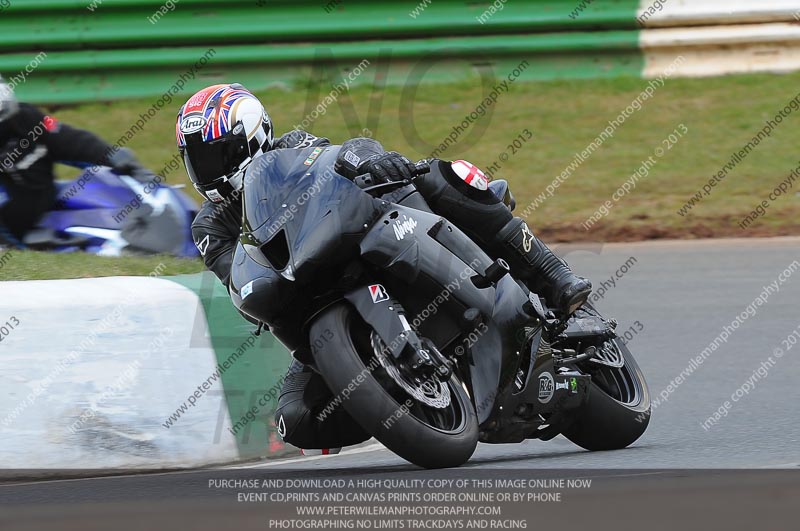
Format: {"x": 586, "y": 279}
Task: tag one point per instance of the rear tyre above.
{"x": 426, "y": 436}
{"x": 618, "y": 409}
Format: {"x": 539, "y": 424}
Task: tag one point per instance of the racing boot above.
{"x": 542, "y": 271}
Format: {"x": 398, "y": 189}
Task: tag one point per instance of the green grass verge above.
{"x": 30, "y": 265}
{"x": 721, "y": 115}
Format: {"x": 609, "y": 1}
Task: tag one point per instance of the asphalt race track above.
{"x": 682, "y": 294}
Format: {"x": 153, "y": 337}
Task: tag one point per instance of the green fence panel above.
{"x": 60, "y": 51}
{"x": 192, "y": 22}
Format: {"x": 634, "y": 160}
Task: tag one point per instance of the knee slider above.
{"x": 293, "y": 420}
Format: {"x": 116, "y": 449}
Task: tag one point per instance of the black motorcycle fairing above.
{"x": 299, "y": 198}
{"x": 318, "y": 216}
{"x": 492, "y": 373}
{"x": 401, "y": 243}
{"x": 408, "y": 196}
{"x": 541, "y": 409}
{"x": 452, "y": 239}
{"x": 267, "y": 296}
{"x": 385, "y": 315}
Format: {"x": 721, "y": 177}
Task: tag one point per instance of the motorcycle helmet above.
{"x": 220, "y": 131}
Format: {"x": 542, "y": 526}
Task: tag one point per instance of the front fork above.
{"x": 387, "y": 317}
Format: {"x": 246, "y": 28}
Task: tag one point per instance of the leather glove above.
{"x": 388, "y": 167}
{"x": 124, "y": 162}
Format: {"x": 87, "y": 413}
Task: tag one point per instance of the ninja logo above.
{"x": 402, "y": 228}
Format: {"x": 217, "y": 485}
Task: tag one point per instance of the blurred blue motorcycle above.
{"x": 108, "y": 214}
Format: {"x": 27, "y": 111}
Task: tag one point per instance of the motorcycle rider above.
{"x": 223, "y": 129}
{"x": 30, "y": 144}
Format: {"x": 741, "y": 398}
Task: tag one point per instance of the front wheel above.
{"x": 432, "y": 436}
{"x": 618, "y": 409}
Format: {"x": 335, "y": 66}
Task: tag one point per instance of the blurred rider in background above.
{"x": 31, "y": 142}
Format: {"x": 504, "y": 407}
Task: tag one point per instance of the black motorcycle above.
{"x": 426, "y": 341}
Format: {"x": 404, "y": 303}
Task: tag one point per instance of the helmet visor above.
{"x": 208, "y": 161}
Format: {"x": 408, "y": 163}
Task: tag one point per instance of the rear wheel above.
{"x": 618, "y": 409}
{"x": 427, "y": 422}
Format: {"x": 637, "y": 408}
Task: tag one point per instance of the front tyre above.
{"x": 618, "y": 409}
{"x": 426, "y": 436}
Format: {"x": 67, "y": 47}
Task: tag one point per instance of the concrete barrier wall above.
{"x": 720, "y": 50}
{"x": 671, "y": 13}
{"x": 718, "y": 37}
{"x": 127, "y": 372}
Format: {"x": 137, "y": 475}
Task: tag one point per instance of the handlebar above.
{"x": 368, "y": 184}
{"x": 421, "y": 168}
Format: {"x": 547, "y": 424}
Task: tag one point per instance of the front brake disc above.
{"x": 610, "y": 355}
{"x": 431, "y": 391}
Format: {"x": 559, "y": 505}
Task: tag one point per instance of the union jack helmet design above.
{"x": 220, "y": 131}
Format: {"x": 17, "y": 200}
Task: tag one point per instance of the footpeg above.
{"x": 494, "y": 273}
{"x": 534, "y": 307}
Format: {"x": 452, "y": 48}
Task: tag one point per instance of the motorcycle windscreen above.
{"x": 298, "y": 208}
